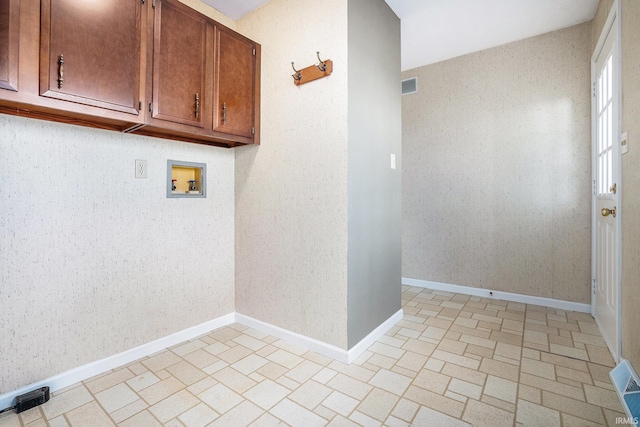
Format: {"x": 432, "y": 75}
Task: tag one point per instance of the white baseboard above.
{"x": 303, "y": 341}
{"x": 507, "y": 296}
{"x": 92, "y": 369}
{"x": 373, "y": 336}
{"x": 321, "y": 347}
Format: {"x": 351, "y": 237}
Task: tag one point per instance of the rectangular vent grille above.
{"x": 410, "y": 86}
{"x": 625, "y": 381}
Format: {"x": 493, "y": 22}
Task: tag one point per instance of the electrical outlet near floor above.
{"x": 141, "y": 168}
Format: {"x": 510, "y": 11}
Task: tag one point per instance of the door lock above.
{"x": 613, "y": 188}
{"x": 607, "y": 211}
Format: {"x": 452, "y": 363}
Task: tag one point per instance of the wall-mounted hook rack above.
{"x": 312, "y": 72}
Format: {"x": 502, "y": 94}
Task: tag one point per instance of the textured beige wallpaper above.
{"x": 631, "y": 181}
{"x": 94, "y": 261}
{"x": 497, "y": 170}
{"x": 291, "y": 192}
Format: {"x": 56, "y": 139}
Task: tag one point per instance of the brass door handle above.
{"x": 607, "y": 211}
{"x": 224, "y": 113}
{"x": 60, "y": 71}
{"x": 197, "y": 105}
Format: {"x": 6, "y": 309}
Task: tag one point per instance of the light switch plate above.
{"x": 624, "y": 143}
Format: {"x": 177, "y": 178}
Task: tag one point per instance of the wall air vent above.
{"x": 625, "y": 381}
{"x": 410, "y": 86}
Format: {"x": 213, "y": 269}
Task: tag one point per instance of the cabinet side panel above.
{"x": 4, "y": 41}
{"x": 9, "y": 33}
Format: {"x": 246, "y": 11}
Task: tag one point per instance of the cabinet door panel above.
{"x": 234, "y": 84}
{"x": 178, "y": 64}
{"x": 9, "y": 35}
{"x": 90, "y": 52}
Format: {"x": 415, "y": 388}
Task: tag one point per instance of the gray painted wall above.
{"x": 375, "y": 131}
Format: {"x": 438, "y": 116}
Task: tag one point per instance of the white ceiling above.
{"x": 435, "y": 30}
{"x": 235, "y": 9}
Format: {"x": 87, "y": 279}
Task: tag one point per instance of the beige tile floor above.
{"x": 454, "y": 360}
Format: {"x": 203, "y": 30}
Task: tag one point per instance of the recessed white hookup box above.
{"x": 186, "y": 179}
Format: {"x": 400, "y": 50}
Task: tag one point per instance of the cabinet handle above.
{"x": 224, "y": 113}
{"x": 60, "y": 71}
{"x": 197, "y": 105}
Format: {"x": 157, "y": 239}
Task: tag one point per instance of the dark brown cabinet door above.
{"x": 234, "y": 87}
{"x": 178, "y": 64}
{"x": 9, "y": 34}
{"x": 90, "y": 52}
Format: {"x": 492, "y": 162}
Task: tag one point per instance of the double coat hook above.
{"x": 312, "y": 72}
{"x": 298, "y": 75}
{"x": 322, "y": 66}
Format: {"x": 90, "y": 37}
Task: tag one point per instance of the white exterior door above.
{"x": 606, "y": 203}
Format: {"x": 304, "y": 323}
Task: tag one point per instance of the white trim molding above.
{"x": 507, "y": 296}
{"x": 355, "y": 351}
{"x": 92, "y": 369}
{"x": 321, "y": 347}
{"x": 304, "y": 341}
{"x": 98, "y": 367}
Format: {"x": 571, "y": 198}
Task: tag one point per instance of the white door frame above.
{"x": 613, "y": 23}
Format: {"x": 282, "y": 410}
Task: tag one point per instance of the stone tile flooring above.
{"x": 454, "y": 360}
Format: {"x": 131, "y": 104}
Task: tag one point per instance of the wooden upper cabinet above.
{"x": 179, "y": 54}
{"x": 9, "y": 42}
{"x": 150, "y": 67}
{"x": 90, "y": 52}
{"x": 235, "y": 84}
